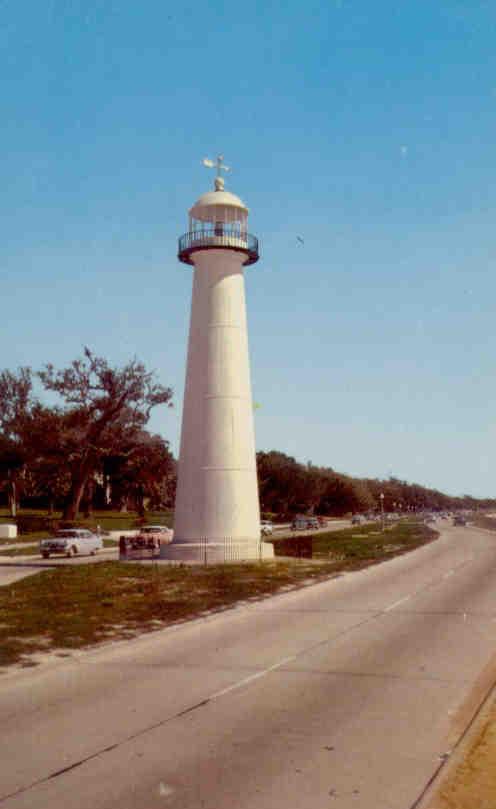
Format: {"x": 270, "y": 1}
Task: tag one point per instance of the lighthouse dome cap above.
{"x": 203, "y": 206}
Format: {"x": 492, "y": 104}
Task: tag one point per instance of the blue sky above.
{"x": 368, "y": 129}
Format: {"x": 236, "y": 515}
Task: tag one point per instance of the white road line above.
{"x": 164, "y": 790}
{"x": 252, "y": 677}
{"x": 397, "y": 603}
{"x": 407, "y": 598}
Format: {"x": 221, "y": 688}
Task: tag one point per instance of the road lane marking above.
{"x": 164, "y": 790}
{"x": 259, "y": 674}
{"x": 252, "y": 677}
{"x": 397, "y": 603}
{"x": 292, "y": 658}
{"x": 434, "y": 583}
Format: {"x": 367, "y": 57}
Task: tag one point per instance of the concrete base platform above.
{"x": 213, "y": 553}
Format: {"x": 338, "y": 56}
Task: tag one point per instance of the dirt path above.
{"x": 471, "y": 784}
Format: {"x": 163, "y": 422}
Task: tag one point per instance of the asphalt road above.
{"x": 346, "y": 694}
{"x": 284, "y": 530}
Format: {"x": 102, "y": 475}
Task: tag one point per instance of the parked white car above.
{"x": 71, "y": 542}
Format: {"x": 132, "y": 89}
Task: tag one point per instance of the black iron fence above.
{"x": 228, "y": 550}
{"x": 217, "y": 236}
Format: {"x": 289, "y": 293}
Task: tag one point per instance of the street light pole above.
{"x": 382, "y": 509}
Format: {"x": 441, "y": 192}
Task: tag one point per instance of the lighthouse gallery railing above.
{"x": 219, "y": 235}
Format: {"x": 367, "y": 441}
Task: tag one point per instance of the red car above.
{"x": 145, "y": 543}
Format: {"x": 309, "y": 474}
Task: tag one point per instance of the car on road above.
{"x": 158, "y": 532}
{"x": 302, "y": 522}
{"x": 144, "y": 543}
{"x": 71, "y": 542}
{"x": 266, "y": 527}
{"x": 357, "y": 519}
{"x": 459, "y": 520}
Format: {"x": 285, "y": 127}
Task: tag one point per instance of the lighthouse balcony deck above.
{"x": 219, "y": 236}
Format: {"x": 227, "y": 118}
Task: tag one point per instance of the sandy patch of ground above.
{"x": 472, "y": 783}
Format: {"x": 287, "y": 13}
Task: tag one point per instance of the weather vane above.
{"x": 219, "y": 180}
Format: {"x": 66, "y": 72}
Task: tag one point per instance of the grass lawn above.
{"x": 373, "y": 543}
{"x": 76, "y": 606}
{"x": 107, "y": 520}
{"x": 35, "y": 536}
{"x": 364, "y": 542}
{"x": 34, "y": 551}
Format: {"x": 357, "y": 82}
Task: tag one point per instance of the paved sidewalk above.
{"x": 11, "y": 574}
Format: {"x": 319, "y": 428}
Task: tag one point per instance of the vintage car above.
{"x": 146, "y": 542}
{"x": 71, "y": 542}
{"x": 160, "y": 532}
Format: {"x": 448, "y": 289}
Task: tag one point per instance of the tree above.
{"x": 344, "y": 494}
{"x": 12, "y": 459}
{"x": 47, "y": 447}
{"x": 279, "y": 480}
{"x": 16, "y": 401}
{"x": 101, "y": 409}
{"x": 144, "y": 471}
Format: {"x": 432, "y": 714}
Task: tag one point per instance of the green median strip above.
{"x": 489, "y": 523}
{"x": 366, "y": 542}
{"x": 32, "y": 537}
{"x": 73, "y": 607}
{"x": 34, "y": 551}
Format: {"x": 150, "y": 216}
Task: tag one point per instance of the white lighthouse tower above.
{"x": 217, "y": 515}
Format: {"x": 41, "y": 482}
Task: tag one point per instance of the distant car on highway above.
{"x": 313, "y": 522}
{"x": 71, "y": 542}
{"x": 266, "y": 527}
{"x": 459, "y": 520}
{"x": 302, "y": 522}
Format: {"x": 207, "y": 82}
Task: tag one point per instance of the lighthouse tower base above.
{"x": 223, "y": 551}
